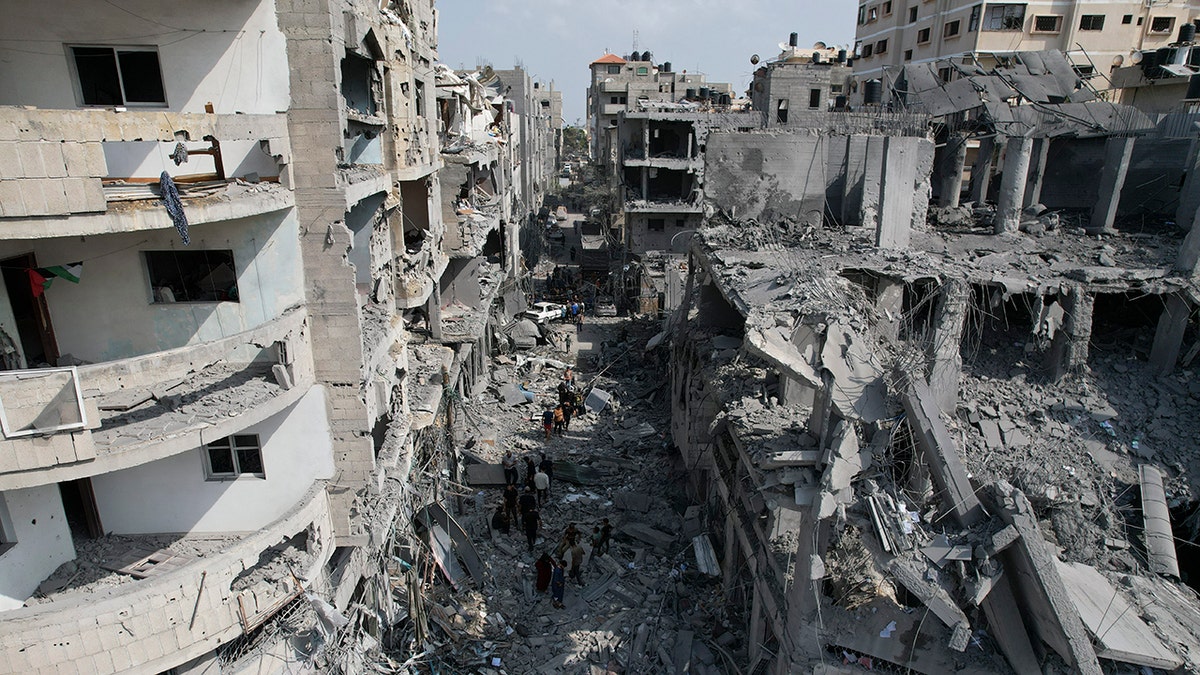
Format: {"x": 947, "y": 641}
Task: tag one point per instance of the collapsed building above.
{"x": 212, "y": 413}
{"x": 947, "y": 424}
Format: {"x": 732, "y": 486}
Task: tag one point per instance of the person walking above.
{"x": 510, "y": 468}
{"x": 532, "y": 521}
{"x": 528, "y": 501}
{"x": 605, "y": 537}
{"x": 510, "y": 502}
{"x": 541, "y": 483}
{"x": 544, "y": 567}
{"x": 577, "y": 554}
{"x": 530, "y": 469}
{"x": 558, "y": 583}
{"x": 548, "y": 422}
{"x": 595, "y": 542}
{"x": 568, "y": 410}
{"x": 559, "y": 417}
{"x": 547, "y": 467}
{"x": 500, "y": 521}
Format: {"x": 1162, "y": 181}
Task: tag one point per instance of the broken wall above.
{"x": 768, "y": 176}
{"x": 34, "y": 517}
{"x": 1152, "y": 183}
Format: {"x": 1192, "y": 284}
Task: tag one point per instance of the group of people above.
{"x": 557, "y": 420}
{"x": 552, "y": 572}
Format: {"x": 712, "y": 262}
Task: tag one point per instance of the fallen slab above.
{"x": 1160, "y": 541}
{"x": 911, "y": 575}
{"x": 941, "y": 454}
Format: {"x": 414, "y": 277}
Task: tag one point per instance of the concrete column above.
{"x": 1037, "y": 171}
{"x": 1189, "y": 196}
{"x": 852, "y": 188}
{"x": 645, "y": 183}
{"x": 946, "y": 368}
{"x": 1012, "y": 184}
{"x": 1069, "y": 350}
{"x": 755, "y": 637}
{"x": 1168, "y": 339}
{"x": 433, "y": 310}
{"x": 950, "y": 169}
{"x": 730, "y": 559}
{"x": 981, "y": 172}
{"x": 646, "y": 138}
{"x": 889, "y": 301}
{"x": 872, "y": 183}
{"x": 1117, "y": 151}
{"x": 894, "y": 228}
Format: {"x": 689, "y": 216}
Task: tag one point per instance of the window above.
{"x": 867, "y": 51}
{"x": 1141, "y": 20}
{"x": 862, "y": 15}
{"x": 1091, "y": 22}
{"x": 908, "y": 55}
{"x": 1162, "y": 24}
{"x": 872, "y": 14}
{"x": 119, "y": 76}
{"x": 1004, "y": 17}
{"x": 974, "y": 20}
{"x": 814, "y": 98}
{"x": 923, "y": 36}
{"x": 192, "y": 276}
{"x": 643, "y": 70}
{"x": 614, "y": 70}
{"x": 234, "y": 456}
{"x": 951, "y": 28}
{"x": 680, "y": 222}
{"x": 1047, "y": 24}
{"x": 887, "y": 8}
{"x": 881, "y": 46}
{"x": 614, "y": 99}
{"x": 836, "y": 88}
{"x": 945, "y": 74}
{"x": 1127, "y": 19}
{"x": 781, "y": 111}
{"x": 656, "y": 224}
{"x": 419, "y": 98}
{"x": 912, "y": 14}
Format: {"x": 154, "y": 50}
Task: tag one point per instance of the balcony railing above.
{"x": 148, "y": 407}
{"x": 163, "y": 621}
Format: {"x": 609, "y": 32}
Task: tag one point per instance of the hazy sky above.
{"x": 555, "y": 40}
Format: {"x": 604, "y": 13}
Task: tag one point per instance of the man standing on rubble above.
{"x": 510, "y": 468}
{"x": 541, "y": 483}
{"x": 605, "y": 537}
{"x": 558, "y": 583}
{"x": 548, "y": 421}
{"x": 528, "y": 501}
{"x": 532, "y": 521}
{"x": 510, "y": 502}
{"x": 576, "y": 554}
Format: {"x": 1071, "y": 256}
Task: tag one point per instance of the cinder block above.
{"x": 10, "y": 163}
{"x": 32, "y": 192}
{"x": 52, "y": 160}
{"x": 93, "y": 195}
{"x": 75, "y": 157}
{"x": 32, "y": 165}
{"x": 12, "y": 202}
{"x": 102, "y": 663}
{"x": 57, "y": 201}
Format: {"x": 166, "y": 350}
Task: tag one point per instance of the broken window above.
{"x": 234, "y": 456}
{"x": 192, "y": 276}
{"x": 1091, "y": 22}
{"x": 814, "y": 98}
{"x": 656, "y": 224}
{"x": 119, "y": 76}
{"x": 912, "y": 14}
{"x": 923, "y": 36}
{"x": 1162, "y": 24}
{"x": 973, "y": 24}
{"x": 781, "y": 111}
{"x": 1004, "y": 17}
{"x": 357, "y": 84}
{"x": 951, "y": 29}
{"x": 419, "y": 98}
{"x": 881, "y": 46}
{"x": 1047, "y": 24}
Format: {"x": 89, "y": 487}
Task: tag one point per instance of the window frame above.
{"x": 912, "y": 14}
{"x": 230, "y": 443}
{"x": 656, "y": 224}
{"x": 926, "y": 32}
{"x": 8, "y": 532}
{"x": 77, "y": 84}
{"x": 956, "y": 24}
{"x": 997, "y": 18}
{"x": 1166, "y": 31}
{"x": 613, "y": 69}
{"x": 881, "y": 46}
{"x": 150, "y": 285}
{"x": 1058, "y": 24}
{"x": 1091, "y": 19}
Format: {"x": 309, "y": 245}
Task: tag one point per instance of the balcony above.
{"x": 169, "y": 617}
{"x": 612, "y": 109}
{"x": 663, "y": 206}
{"x": 97, "y": 171}
{"x": 137, "y": 410}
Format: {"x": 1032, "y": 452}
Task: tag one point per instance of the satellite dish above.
{"x": 819, "y": 45}
{"x": 1136, "y": 57}
{"x": 1118, "y": 61}
{"x": 754, "y": 59}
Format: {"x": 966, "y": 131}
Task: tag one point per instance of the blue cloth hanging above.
{"x": 170, "y": 199}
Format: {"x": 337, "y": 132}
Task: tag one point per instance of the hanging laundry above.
{"x": 170, "y": 199}
{"x": 40, "y": 277}
{"x": 180, "y": 155}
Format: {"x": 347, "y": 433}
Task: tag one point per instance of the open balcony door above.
{"x": 35, "y": 335}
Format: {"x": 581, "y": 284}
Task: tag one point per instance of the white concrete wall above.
{"x": 148, "y": 159}
{"x": 238, "y": 63}
{"x": 172, "y": 495}
{"x": 109, "y": 314}
{"x": 43, "y": 542}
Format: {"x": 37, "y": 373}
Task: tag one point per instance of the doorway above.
{"x": 32, "y": 315}
{"x": 79, "y": 503}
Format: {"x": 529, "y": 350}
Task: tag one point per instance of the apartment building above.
{"x": 618, "y": 84}
{"x": 1097, "y": 35}
{"x": 214, "y": 221}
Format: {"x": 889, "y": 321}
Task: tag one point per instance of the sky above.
{"x": 555, "y": 40}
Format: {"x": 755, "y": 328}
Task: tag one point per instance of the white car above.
{"x": 544, "y": 312}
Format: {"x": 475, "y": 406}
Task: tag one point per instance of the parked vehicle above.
{"x": 544, "y": 312}
{"x": 605, "y": 307}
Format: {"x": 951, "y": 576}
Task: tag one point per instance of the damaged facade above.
{"x": 940, "y": 412}
{"x": 211, "y": 284}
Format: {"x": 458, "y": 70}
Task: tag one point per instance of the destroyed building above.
{"x": 939, "y": 423}
{"x": 211, "y": 284}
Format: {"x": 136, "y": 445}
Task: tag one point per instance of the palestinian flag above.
{"x": 40, "y": 277}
